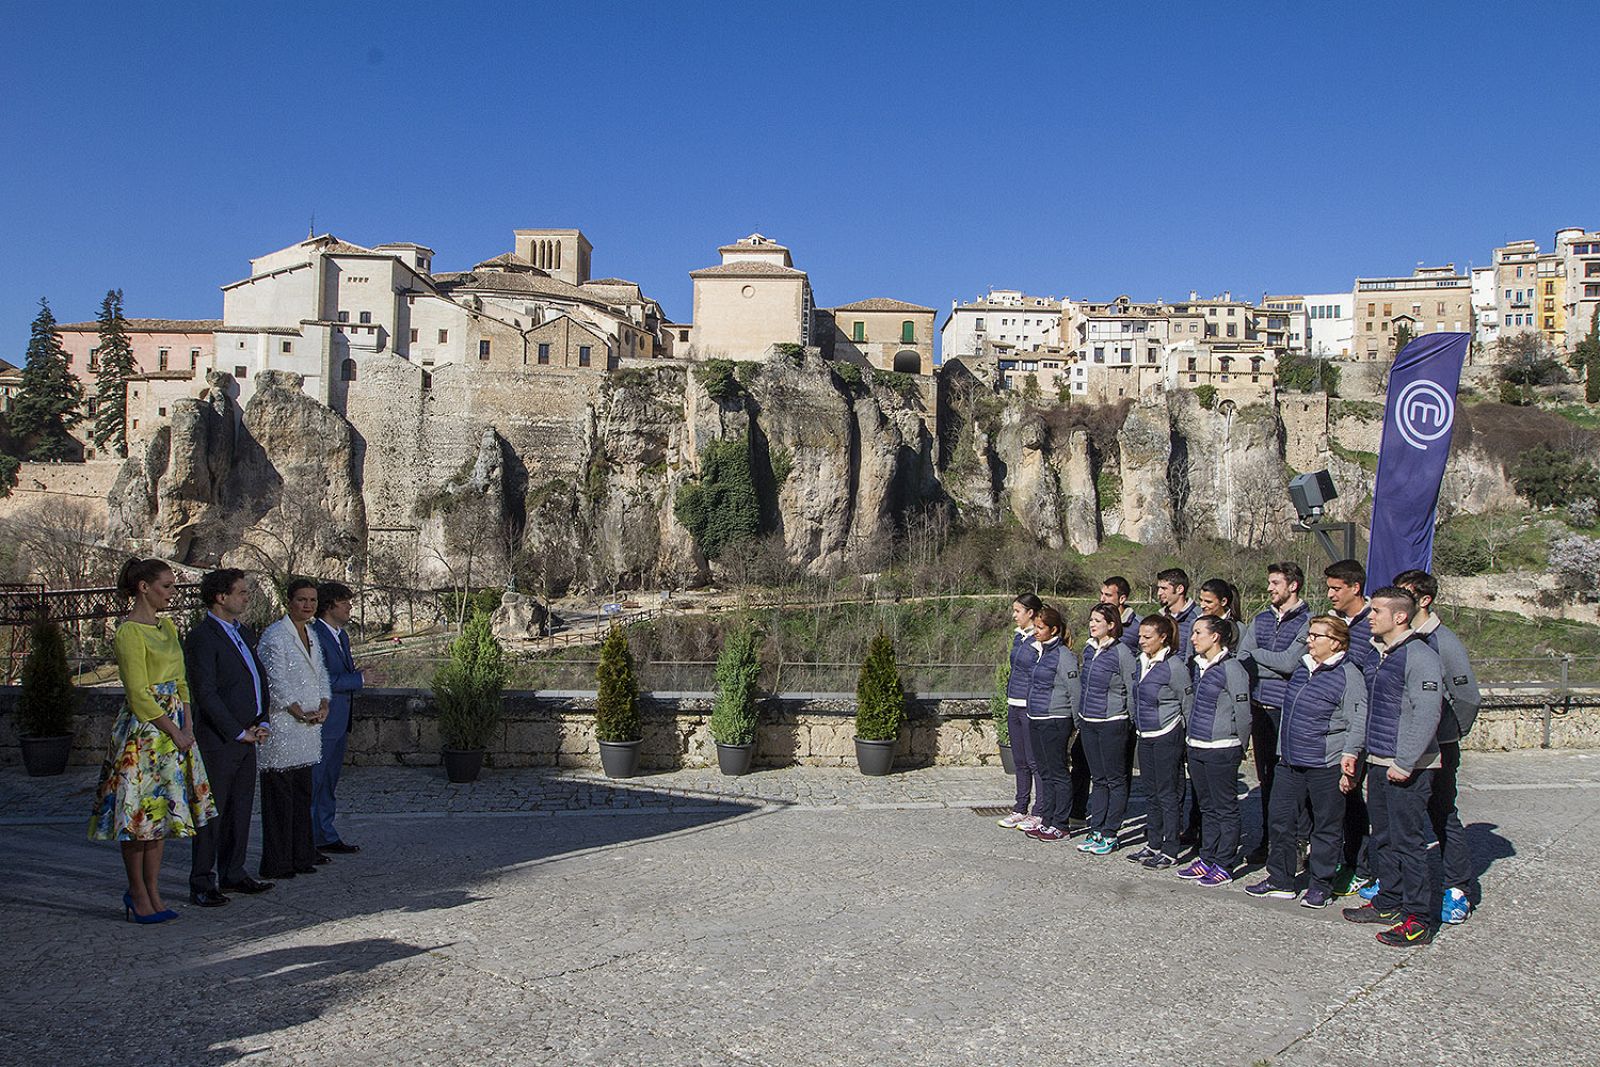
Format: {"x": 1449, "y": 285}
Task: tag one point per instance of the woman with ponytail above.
{"x": 1024, "y": 609}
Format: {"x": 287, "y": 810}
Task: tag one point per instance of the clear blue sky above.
{"x": 923, "y": 151}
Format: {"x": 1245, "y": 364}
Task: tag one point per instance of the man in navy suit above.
{"x": 333, "y": 615}
{"x": 228, "y": 689}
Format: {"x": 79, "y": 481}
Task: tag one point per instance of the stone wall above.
{"x": 398, "y": 726}
{"x": 88, "y": 482}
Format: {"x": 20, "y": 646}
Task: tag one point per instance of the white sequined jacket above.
{"x": 295, "y": 675}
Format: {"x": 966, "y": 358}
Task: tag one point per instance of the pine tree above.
{"x": 1588, "y": 357}
{"x": 616, "y": 711}
{"x": 111, "y": 379}
{"x": 48, "y": 405}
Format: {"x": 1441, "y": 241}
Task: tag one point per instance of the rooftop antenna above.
{"x": 311, "y": 230}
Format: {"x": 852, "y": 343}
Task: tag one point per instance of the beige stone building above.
{"x": 1578, "y": 251}
{"x": 1529, "y": 292}
{"x": 752, "y": 300}
{"x": 10, "y": 384}
{"x": 1431, "y": 300}
{"x": 888, "y": 334}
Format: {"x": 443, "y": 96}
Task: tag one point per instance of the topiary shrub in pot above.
{"x": 734, "y": 718}
{"x": 469, "y": 691}
{"x": 880, "y": 708}
{"x": 48, "y": 700}
{"x": 616, "y": 712}
{"x": 999, "y": 711}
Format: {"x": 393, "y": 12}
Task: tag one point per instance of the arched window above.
{"x": 347, "y": 371}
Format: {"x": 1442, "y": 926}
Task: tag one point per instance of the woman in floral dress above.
{"x": 153, "y": 786}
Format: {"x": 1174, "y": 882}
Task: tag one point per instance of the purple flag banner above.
{"x": 1417, "y": 419}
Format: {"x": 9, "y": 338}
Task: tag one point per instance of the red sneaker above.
{"x": 1047, "y": 833}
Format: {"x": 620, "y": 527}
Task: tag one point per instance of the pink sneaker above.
{"x": 1015, "y": 819}
{"x": 1032, "y": 822}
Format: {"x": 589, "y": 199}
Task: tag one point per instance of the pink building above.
{"x": 160, "y": 346}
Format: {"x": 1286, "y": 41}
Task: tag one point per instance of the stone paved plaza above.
{"x": 800, "y": 916}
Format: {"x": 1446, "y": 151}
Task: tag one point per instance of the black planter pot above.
{"x": 45, "y": 756}
{"x": 620, "y": 758}
{"x": 1006, "y": 761}
{"x": 735, "y": 759}
{"x": 874, "y": 757}
{"x": 463, "y": 764}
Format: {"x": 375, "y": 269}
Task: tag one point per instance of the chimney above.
{"x": 1194, "y": 294}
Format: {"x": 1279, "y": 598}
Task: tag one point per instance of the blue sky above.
{"x": 923, "y": 151}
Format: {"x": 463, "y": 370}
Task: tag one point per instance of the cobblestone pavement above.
{"x": 801, "y": 916}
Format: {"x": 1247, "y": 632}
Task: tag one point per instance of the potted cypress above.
{"x": 48, "y": 700}
{"x": 880, "y": 708}
{"x": 733, "y": 716}
{"x": 999, "y": 711}
{"x": 616, "y": 711}
{"x": 468, "y": 691}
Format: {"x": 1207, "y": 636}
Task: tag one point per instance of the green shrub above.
{"x": 849, "y": 374}
{"x": 469, "y": 687}
{"x": 904, "y": 384}
{"x": 722, "y": 508}
{"x": 48, "y": 698}
{"x": 1549, "y": 477}
{"x": 1207, "y": 395}
{"x": 733, "y": 716}
{"x": 8, "y": 474}
{"x": 719, "y": 378}
{"x": 880, "y": 698}
{"x": 998, "y": 708}
{"x": 1305, "y": 374}
{"x": 782, "y": 465}
{"x": 1458, "y": 554}
{"x": 616, "y": 710}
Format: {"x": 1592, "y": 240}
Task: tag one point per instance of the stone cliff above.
{"x": 469, "y": 478}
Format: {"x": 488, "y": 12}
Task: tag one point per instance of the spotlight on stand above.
{"x": 1310, "y": 494}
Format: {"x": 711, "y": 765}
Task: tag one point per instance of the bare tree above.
{"x": 61, "y": 542}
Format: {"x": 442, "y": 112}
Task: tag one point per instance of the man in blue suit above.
{"x": 333, "y": 615}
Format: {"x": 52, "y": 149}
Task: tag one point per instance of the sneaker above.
{"x": 1160, "y": 862}
{"x": 1048, "y": 833}
{"x": 1195, "y": 871}
{"x": 1143, "y": 854}
{"x": 1369, "y": 892}
{"x": 1216, "y": 876}
{"x": 1090, "y": 842}
{"x": 1455, "y": 908}
{"x": 1413, "y": 931}
{"x": 1347, "y": 882}
{"x": 1366, "y": 913}
{"x": 1271, "y": 890}
{"x": 1032, "y": 822}
{"x": 1104, "y": 847}
{"x": 1316, "y": 898}
{"x": 1014, "y": 820}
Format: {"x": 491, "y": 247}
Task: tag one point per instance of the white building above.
{"x": 1485, "y": 307}
{"x": 1330, "y": 324}
{"x": 1005, "y": 316}
{"x": 1579, "y": 253}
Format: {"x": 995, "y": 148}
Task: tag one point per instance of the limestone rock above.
{"x": 519, "y": 617}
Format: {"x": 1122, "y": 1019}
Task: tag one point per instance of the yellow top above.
{"x": 147, "y": 656}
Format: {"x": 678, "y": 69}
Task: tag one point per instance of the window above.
{"x": 1592, "y": 270}
{"x": 1233, "y": 330}
{"x": 978, "y": 325}
{"x": 239, "y": 372}
{"x": 1549, "y": 322}
{"x": 94, "y": 359}
{"x": 413, "y": 336}
{"x": 544, "y": 354}
{"x": 366, "y": 316}
{"x": 1099, "y": 354}
{"x": 683, "y": 335}
{"x": 347, "y": 370}
{"x": 583, "y": 355}
{"x": 162, "y": 412}
{"x": 1372, "y": 308}
{"x": 1388, "y": 310}
{"x": 1192, "y": 362}
{"x": 1590, "y": 291}
{"x": 483, "y": 349}
{"x": 1416, "y": 309}
{"x": 135, "y": 424}
{"x": 1519, "y": 272}
{"x": 1549, "y": 290}
{"x": 163, "y": 357}
{"x": 427, "y": 380}
{"x": 344, "y": 316}
{"x": 1194, "y": 378}
{"x": 444, "y": 337}
{"x": 1127, "y": 355}
{"x": 858, "y": 332}
{"x": 194, "y": 358}
{"x": 288, "y": 347}
{"x": 908, "y": 332}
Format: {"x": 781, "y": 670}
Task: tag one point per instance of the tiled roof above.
{"x": 749, "y": 269}
{"x": 756, "y": 241}
{"x": 4, "y": 366}
{"x": 881, "y": 303}
{"x": 508, "y": 261}
{"x": 151, "y": 326}
{"x": 290, "y": 330}
{"x": 502, "y": 281}
{"x": 609, "y": 281}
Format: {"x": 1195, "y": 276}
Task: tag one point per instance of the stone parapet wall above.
{"x": 399, "y": 726}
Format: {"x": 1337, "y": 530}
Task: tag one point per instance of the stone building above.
{"x": 1329, "y": 326}
{"x": 160, "y": 346}
{"x": 1006, "y": 317}
{"x": 10, "y": 384}
{"x": 880, "y": 332}
{"x": 1430, "y": 300}
{"x": 1529, "y": 291}
{"x": 754, "y": 299}
{"x": 1579, "y": 253}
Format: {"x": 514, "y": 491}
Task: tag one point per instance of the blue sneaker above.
{"x": 1455, "y": 909}
{"x": 1369, "y": 892}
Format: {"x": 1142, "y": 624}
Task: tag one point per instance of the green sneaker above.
{"x": 1347, "y": 882}
{"x": 1104, "y": 846}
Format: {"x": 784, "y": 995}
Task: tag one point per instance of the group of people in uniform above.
{"x": 1354, "y": 718}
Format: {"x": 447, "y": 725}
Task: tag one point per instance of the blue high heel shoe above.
{"x": 145, "y": 920}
